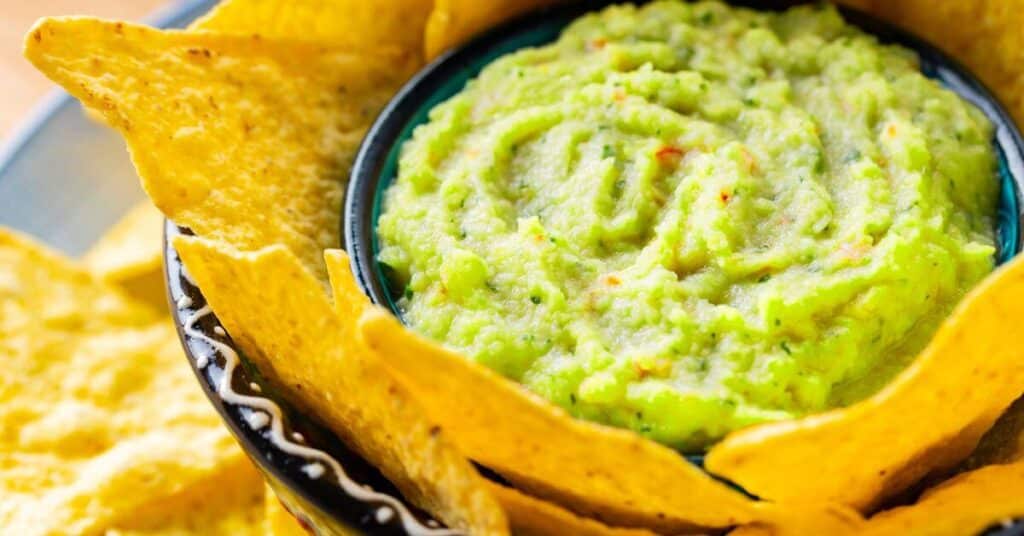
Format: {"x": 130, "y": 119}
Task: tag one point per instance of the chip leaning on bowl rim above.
{"x": 308, "y": 105}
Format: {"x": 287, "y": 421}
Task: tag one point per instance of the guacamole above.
{"x": 684, "y": 219}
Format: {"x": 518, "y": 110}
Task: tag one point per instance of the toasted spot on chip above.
{"x": 239, "y": 138}
{"x": 361, "y": 24}
{"x": 530, "y": 516}
{"x": 593, "y": 469}
{"x": 881, "y": 445}
{"x": 276, "y": 311}
{"x": 100, "y": 417}
{"x": 452, "y": 22}
{"x": 965, "y": 504}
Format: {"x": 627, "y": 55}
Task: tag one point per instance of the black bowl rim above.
{"x": 331, "y": 489}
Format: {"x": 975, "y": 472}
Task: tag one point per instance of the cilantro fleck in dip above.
{"x": 684, "y": 219}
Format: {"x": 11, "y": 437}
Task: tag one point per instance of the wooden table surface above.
{"x": 21, "y": 86}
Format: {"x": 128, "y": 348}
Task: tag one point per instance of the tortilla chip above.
{"x": 240, "y": 138}
{"x": 100, "y": 416}
{"x": 360, "y": 24}
{"x": 966, "y": 504}
{"x": 801, "y": 520}
{"x": 530, "y": 516}
{"x": 275, "y": 310}
{"x": 452, "y": 22}
{"x": 130, "y": 255}
{"x": 230, "y": 503}
{"x": 611, "y": 474}
{"x": 132, "y": 246}
{"x": 875, "y": 448}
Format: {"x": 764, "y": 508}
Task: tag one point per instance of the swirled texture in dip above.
{"x": 684, "y": 219}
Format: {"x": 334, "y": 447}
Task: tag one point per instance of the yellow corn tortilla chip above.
{"x": 131, "y": 247}
{"x": 279, "y": 315}
{"x": 361, "y": 24}
{"x": 240, "y": 138}
{"x": 100, "y": 416}
{"x": 931, "y": 416}
{"x": 530, "y": 516}
{"x": 231, "y": 503}
{"x": 454, "y": 21}
{"x": 611, "y": 474}
{"x": 805, "y": 519}
{"x": 130, "y": 255}
{"x": 965, "y": 504}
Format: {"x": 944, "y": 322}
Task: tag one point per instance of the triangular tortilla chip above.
{"x": 100, "y": 416}
{"x": 453, "y": 22}
{"x": 360, "y": 24}
{"x": 807, "y": 519}
{"x": 275, "y": 310}
{"x": 240, "y": 138}
{"x": 930, "y": 417}
{"x": 231, "y": 503}
{"x": 129, "y": 248}
{"x": 611, "y": 474}
{"x": 965, "y": 504}
{"x": 130, "y": 255}
{"x": 530, "y": 516}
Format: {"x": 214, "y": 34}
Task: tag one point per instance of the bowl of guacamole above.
{"x": 686, "y": 219}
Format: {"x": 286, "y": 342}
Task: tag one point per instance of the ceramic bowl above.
{"x": 327, "y": 486}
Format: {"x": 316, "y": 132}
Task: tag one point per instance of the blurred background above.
{"x": 23, "y": 86}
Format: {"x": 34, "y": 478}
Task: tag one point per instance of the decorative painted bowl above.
{"x": 329, "y": 488}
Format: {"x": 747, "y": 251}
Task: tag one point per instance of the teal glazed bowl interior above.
{"x": 376, "y": 163}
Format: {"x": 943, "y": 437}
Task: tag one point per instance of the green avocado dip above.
{"x": 685, "y": 219}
